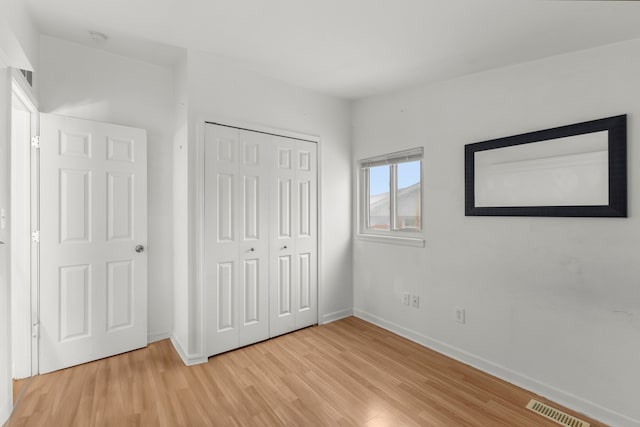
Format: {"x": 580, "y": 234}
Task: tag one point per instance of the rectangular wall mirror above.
{"x": 579, "y": 170}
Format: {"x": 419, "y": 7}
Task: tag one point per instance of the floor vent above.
{"x": 555, "y": 415}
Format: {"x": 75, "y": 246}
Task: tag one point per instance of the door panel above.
{"x": 119, "y": 206}
{"x": 304, "y": 281}
{"x": 251, "y": 289}
{"x": 304, "y": 209}
{"x": 75, "y": 193}
{"x": 251, "y": 208}
{"x": 306, "y": 236}
{"x": 93, "y": 288}
{"x": 284, "y": 285}
{"x": 294, "y": 218}
{"x": 283, "y": 222}
{"x": 75, "y": 307}
{"x": 120, "y": 150}
{"x": 220, "y": 256}
{"x": 284, "y": 156}
{"x": 226, "y": 188}
{"x": 119, "y": 294}
{"x": 75, "y": 144}
{"x": 237, "y": 240}
{"x": 226, "y": 300}
{"x": 254, "y": 248}
{"x": 284, "y": 207}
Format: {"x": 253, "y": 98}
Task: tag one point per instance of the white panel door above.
{"x": 93, "y": 268}
{"x": 235, "y": 238}
{"x": 306, "y": 233}
{"x": 283, "y": 223}
{"x": 254, "y": 238}
{"x": 221, "y": 246}
{"x": 293, "y": 230}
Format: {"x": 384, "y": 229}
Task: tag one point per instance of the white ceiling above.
{"x": 346, "y": 48}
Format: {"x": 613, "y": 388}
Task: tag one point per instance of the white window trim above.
{"x": 397, "y": 237}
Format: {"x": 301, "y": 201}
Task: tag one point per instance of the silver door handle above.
{"x": 139, "y": 249}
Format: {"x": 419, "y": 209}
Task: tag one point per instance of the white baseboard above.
{"x": 336, "y": 315}
{"x": 187, "y": 359}
{"x": 563, "y": 398}
{"x": 158, "y": 337}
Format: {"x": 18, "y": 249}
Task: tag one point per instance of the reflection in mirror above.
{"x": 575, "y": 170}
{"x": 569, "y": 171}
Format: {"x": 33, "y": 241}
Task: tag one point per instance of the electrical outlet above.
{"x": 415, "y": 301}
{"x": 458, "y": 315}
{"x": 406, "y": 299}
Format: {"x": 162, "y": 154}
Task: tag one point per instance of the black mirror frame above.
{"x": 617, "y": 149}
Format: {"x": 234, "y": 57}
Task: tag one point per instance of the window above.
{"x": 391, "y": 195}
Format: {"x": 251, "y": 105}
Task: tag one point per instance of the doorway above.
{"x": 23, "y": 219}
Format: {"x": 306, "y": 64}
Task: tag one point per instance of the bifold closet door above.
{"x": 260, "y": 236}
{"x": 293, "y": 242}
{"x": 235, "y": 238}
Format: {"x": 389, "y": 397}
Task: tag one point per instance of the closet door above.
{"x": 236, "y": 238}
{"x": 221, "y": 243}
{"x": 282, "y": 243}
{"x": 306, "y": 233}
{"x": 293, "y": 242}
{"x": 254, "y": 237}
{"x": 260, "y": 236}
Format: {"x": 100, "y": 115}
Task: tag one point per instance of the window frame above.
{"x": 410, "y": 237}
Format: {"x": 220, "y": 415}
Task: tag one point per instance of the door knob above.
{"x": 252, "y": 249}
{"x": 139, "y": 249}
{"x": 284, "y": 247}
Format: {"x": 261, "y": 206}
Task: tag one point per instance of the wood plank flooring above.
{"x": 347, "y": 373}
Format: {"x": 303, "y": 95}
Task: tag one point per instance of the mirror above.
{"x": 577, "y": 170}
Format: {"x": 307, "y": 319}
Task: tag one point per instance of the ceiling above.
{"x": 346, "y": 48}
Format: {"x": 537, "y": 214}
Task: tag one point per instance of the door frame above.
{"x": 199, "y": 160}
{"x": 23, "y": 91}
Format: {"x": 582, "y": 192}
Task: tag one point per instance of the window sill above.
{"x": 392, "y": 240}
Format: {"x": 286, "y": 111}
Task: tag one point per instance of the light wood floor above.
{"x": 347, "y": 373}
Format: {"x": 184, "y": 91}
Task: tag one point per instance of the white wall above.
{"x": 551, "y": 303}
{"x": 83, "y": 82}
{"x": 6, "y": 398}
{"x": 181, "y": 208}
{"x": 220, "y": 90}
{"x": 19, "y": 37}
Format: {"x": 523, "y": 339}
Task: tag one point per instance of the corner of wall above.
{"x": 180, "y": 256}
{"x": 336, "y": 315}
{"x": 187, "y": 359}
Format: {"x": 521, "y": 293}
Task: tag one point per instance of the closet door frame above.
{"x": 198, "y": 297}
